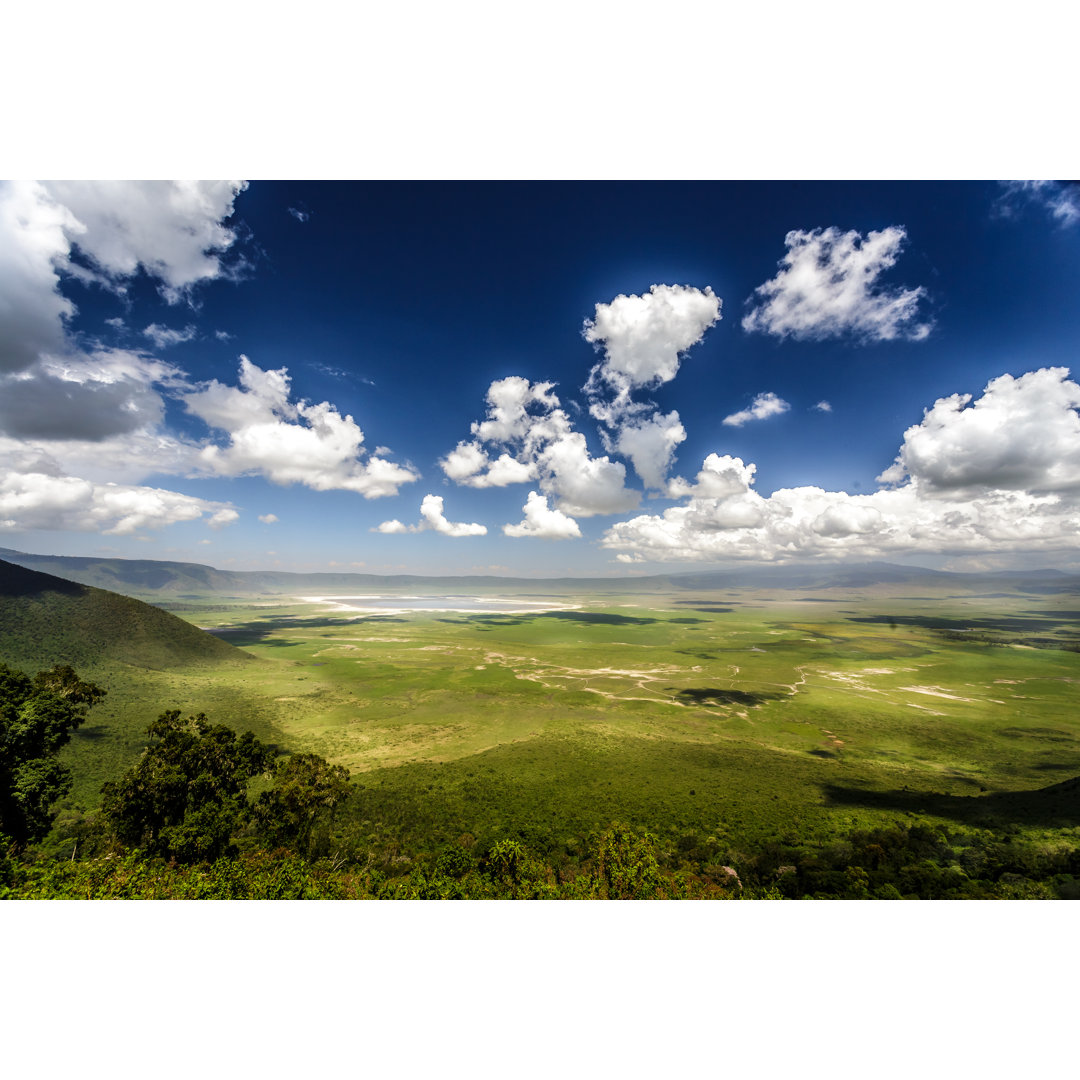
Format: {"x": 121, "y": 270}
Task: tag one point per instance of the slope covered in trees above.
{"x": 49, "y": 620}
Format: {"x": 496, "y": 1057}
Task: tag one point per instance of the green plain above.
{"x": 730, "y": 716}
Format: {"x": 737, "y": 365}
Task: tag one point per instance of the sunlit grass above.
{"x": 767, "y": 718}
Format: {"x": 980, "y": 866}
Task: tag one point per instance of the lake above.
{"x": 385, "y": 604}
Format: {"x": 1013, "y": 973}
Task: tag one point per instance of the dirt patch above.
{"x": 936, "y": 691}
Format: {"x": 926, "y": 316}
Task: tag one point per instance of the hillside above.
{"x": 46, "y": 620}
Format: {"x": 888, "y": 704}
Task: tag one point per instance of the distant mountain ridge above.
{"x": 46, "y": 620}
{"x": 159, "y": 579}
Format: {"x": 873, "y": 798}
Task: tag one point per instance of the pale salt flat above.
{"x": 382, "y": 604}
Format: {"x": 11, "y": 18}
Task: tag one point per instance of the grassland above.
{"x": 712, "y": 720}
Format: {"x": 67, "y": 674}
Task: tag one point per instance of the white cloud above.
{"x": 172, "y": 229}
{"x": 509, "y": 403}
{"x": 719, "y": 478}
{"x": 542, "y": 522}
{"x": 222, "y": 518}
{"x": 527, "y": 437}
{"x": 268, "y": 519}
{"x": 223, "y": 335}
{"x": 34, "y": 500}
{"x": 163, "y": 336}
{"x": 581, "y": 484}
{"x": 538, "y": 443}
{"x": 433, "y": 518}
{"x": 128, "y": 458}
{"x": 643, "y": 336}
{"x": 288, "y": 442}
{"x": 34, "y": 247}
{"x": 1022, "y": 434}
{"x": 79, "y": 429}
{"x": 827, "y": 287}
{"x": 431, "y": 510}
{"x": 300, "y": 215}
{"x": 1060, "y": 200}
{"x": 470, "y": 465}
{"x": 86, "y": 397}
{"x": 822, "y": 406}
{"x": 649, "y": 442}
{"x": 763, "y": 406}
{"x": 643, "y": 339}
{"x": 1002, "y": 475}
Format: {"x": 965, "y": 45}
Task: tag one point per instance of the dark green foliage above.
{"x": 37, "y": 717}
{"x": 306, "y": 792}
{"x": 187, "y": 796}
{"x": 916, "y": 861}
{"x": 45, "y": 619}
{"x": 626, "y": 866}
{"x": 454, "y": 862}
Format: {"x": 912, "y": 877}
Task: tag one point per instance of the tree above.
{"x": 186, "y": 797}
{"x": 626, "y": 866}
{"x": 37, "y": 717}
{"x": 307, "y": 789}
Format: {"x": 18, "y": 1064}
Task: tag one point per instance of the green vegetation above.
{"x": 46, "y": 619}
{"x": 856, "y": 742}
{"x": 187, "y": 796}
{"x": 37, "y": 717}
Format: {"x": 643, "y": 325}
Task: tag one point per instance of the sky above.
{"x": 559, "y": 378}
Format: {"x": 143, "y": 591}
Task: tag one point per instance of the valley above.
{"x": 716, "y": 720}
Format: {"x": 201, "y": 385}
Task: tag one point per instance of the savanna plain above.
{"x": 723, "y": 743}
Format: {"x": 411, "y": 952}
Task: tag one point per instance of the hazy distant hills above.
{"x": 153, "y": 579}
{"x": 45, "y": 620}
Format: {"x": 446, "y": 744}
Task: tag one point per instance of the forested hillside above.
{"x": 48, "y": 620}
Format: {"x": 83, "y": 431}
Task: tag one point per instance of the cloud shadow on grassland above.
{"x": 713, "y": 695}
{"x": 1056, "y": 806}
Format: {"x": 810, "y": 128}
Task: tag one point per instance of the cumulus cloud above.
{"x": 1000, "y": 475}
{"x": 163, "y": 336}
{"x": 1023, "y": 434}
{"x": 527, "y": 437}
{"x": 535, "y": 441}
{"x": 80, "y": 429}
{"x": 719, "y": 478}
{"x": 268, "y": 519}
{"x": 171, "y": 229}
{"x": 127, "y": 458}
{"x": 288, "y": 442}
{"x": 543, "y": 522}
{"x": 649, "y": 443}
{"x": 35, "y": 246}
{"x": 223, "y": 517}
{"x": 763, "y": 406}
{"x": 102, "y": 232}
{"x": 82, "y": 418}
{"x": 822, "y": 406}
{"x": 642, "y": 337}
{"x": 827, "y": 287}
{"x": 86, "y": 397}
{"x": 433, "y": 518}
{"x": 431, "y": 510}
{"x": 1061, "y": 200}
{"x": 35, "y": 500}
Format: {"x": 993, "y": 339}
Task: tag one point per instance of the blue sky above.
{"x": 592, "y": 377}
